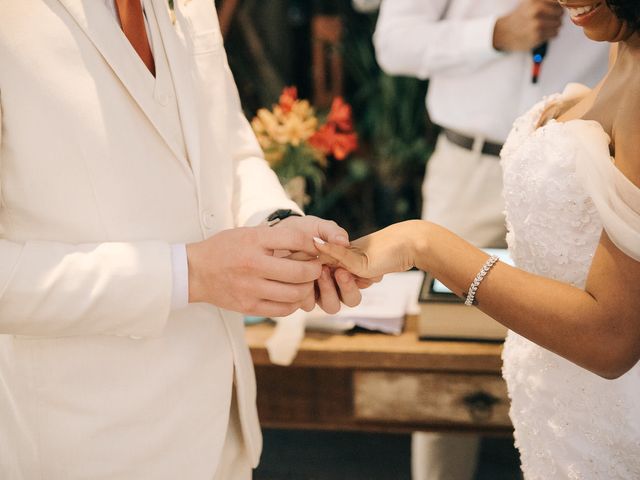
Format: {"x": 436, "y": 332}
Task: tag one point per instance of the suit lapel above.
{"x": 195, "y": 38}
{"x": 181, "y": 72}
{"x": 104, "y": 32}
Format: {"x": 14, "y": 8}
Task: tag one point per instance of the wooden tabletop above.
{"x": 364, "y": 350}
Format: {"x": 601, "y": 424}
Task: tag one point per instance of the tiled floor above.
{"x": 296, "y": 455}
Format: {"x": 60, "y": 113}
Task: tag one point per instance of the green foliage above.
{"x": 303, "y": 161}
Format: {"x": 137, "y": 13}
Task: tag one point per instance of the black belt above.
{"x": 463, "y": 141}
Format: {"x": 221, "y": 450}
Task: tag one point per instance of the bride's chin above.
{"x": 612, "y": 32}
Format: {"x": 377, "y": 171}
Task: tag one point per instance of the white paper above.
{"x": 384, "y": 305}
{"x": 383, "y": 308}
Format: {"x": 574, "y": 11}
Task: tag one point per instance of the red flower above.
{"x": 340, "y": 115}
{"x": 288, "y": 97}
{"x": 331, "y": 142}
{"x": 345, "y": 144}
{"x": 323, "y": 138}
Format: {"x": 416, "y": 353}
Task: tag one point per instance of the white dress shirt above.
{"x": 473, "y": 88}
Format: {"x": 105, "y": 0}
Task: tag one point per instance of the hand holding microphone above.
{"x": 529, "y": 26}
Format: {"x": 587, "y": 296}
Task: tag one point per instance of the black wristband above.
{"x": 279, "y": 215}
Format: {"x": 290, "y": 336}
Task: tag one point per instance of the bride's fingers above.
{"x": 328, "y": 260}
{"x": 366, "y": 282}
{"x": 346, "y": 258}
{"x": 302, "y": 256}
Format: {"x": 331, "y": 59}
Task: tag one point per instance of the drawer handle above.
{"x": 480, "y": 405}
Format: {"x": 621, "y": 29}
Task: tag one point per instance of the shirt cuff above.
{"x": 180, "y": 290}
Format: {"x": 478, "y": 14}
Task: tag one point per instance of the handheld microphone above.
{"x": 538, "y": 55}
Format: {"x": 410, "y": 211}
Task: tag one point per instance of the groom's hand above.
{"x": 236, "y": 270}
{"x": 334, "y": 287}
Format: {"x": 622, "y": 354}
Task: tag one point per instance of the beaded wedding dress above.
{"x": 561, "y": 188}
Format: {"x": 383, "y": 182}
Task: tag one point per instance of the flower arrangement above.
{"x": 297, "y": 143}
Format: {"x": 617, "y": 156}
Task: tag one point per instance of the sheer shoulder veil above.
{"x": 614, "y": 195}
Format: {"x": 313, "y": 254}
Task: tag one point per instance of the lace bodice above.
{"x": 569, "y": 423}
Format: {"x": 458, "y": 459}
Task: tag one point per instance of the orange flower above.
{"x": 344, "y": 145}
{"x": 288, "y": 97}
{"x": 340, "y": 115}
{"x": 331, "y": 142}
{"x": 322, "y": 139}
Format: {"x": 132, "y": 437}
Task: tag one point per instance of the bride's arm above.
{"x": 597, "y": 328}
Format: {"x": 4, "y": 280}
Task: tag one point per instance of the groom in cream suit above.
{"x": 125, "y": 167}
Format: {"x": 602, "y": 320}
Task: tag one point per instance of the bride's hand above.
{"x": 389, "y": 250}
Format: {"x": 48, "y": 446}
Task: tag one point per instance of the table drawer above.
{"x": 431, "y": 398}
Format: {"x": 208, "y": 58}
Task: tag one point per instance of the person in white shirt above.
{"x": 477, "y": 55}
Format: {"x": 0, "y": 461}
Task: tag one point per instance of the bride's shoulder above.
{"x": 626, "y": 136}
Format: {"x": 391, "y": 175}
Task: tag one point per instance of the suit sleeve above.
{"x": 257, "y": 190}
{"x": 58, "y": 289}
{"x": 414, "y": 38}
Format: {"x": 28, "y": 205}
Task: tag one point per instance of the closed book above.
{"x": 455, "y": 321}
{"x": 444, "y": 316}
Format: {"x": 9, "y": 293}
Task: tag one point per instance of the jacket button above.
{"x": 163, "y": 99}
{"x": 208, "y": 219}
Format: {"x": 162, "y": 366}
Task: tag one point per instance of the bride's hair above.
{"x": 627, "y": 11}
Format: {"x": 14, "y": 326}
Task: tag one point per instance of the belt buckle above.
{"x": 478, "y": 144}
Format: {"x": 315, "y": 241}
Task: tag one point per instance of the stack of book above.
{"x": 444, "y": 316}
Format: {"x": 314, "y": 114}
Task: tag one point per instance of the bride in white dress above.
{"x": 572, "y": 193}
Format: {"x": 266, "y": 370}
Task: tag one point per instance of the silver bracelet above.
{"x": 471, "y": 295}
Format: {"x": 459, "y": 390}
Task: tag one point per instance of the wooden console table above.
{"x": 376, "y": 382}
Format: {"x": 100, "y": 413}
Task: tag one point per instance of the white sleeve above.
{"x": 614, "y": 195}
{"x": 180, "y": 276}
{"x": 59, "y": 289}
{"x": 257, "y": 190}
{"x": 412, "y": 38}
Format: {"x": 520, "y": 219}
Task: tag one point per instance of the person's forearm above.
{"x": 411, "y": 38}
{"x": 562, "y": 318}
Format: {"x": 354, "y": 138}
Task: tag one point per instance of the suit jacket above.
{"x": 99, "y": 379}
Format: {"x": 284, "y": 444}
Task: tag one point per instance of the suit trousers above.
{"x": 462, "y": 191}
{"x": 234, "y": 462}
